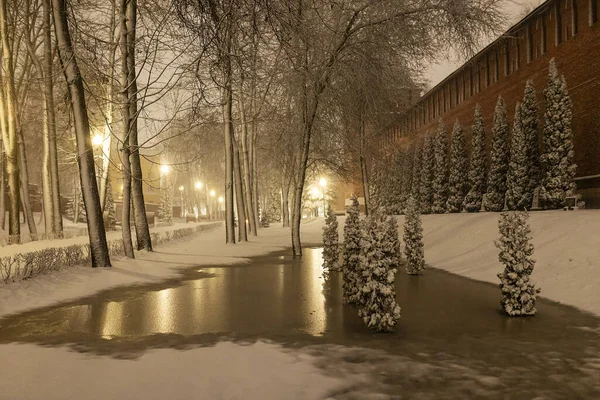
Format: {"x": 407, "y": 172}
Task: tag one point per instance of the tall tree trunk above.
{"x": 107, "y": 142}
{"x": 239, "y": 194}
{"x": 142, "y": 231}
{"x": 9, "y": 129}
{"x": 85, "y": 155}
{"x": 26, "y": 196}
{"x": 363, "y": 167}
{"x": 246, "y": 170}
{"x": 285, "y": 202}
{"x": 50, "y": 120}
{"x": 125, "y": 150}
{"x": 254, "y": 171}
{"x": 2, "y": 188}
{"x": 228, "y": 131}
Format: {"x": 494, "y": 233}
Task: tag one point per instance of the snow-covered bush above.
{"x": 407, "y": 173}
{"x": 413, "y": 240}
{"x": 496, "y": 188}
{"x": 530, "y": 127}
{"x": 37, "y": 262}
{"x": 351, "y": 253}
{"x": 517, "y": 179}
{"x": 557, "y": 160}
{"x": 458, "y": 185}
{"x": 380, "y": 257}
{"x": 477, "y": 165}
{"x": 331, "y": 247}
{"x": 518, "y": 291}
{"x": 416, "y": 171}
{"x": 427, "y": 165}
{"x": 440, "y": 174}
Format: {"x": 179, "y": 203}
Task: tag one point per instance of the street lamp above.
{"x": 164, "y": 169}
{"x": 97, "y": 140}
{"x": 198, "y": 185}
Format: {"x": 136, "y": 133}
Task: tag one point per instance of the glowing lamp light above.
{"x": 220, "y": 199}
{"x": 323, "y": 182}
{"x": 212, "y": 193}
{"x": 164, "y": 169}
{"x": 97, "y": 140}
{"x": 181, "y": 188}
{"x": 198, "y": 185}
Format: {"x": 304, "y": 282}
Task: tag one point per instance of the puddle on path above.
{"x": 449, "y": 324}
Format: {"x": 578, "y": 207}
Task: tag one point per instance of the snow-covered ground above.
{"x": 261, "y": 371}
{"x": 567, "y": 251}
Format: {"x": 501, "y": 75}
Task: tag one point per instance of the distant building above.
{"x": 567, "y": 30}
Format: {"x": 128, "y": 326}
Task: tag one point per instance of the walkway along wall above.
{"x": 566, "y": 30}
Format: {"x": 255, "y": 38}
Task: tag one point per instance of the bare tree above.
{"x": 91, "y": 199}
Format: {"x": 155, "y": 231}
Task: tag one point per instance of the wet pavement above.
{"x": 451, "y": 342}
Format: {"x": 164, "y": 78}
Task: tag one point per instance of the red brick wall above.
{"x": 577, "y": 58}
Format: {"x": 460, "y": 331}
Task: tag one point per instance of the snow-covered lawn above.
{"x": 567, "y": 251}
{"x": 259, "y": 371}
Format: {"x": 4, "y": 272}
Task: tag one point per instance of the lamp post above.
{"x": 323, "y": 183}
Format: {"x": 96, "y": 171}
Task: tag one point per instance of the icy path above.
{"x": 207, "y": 248}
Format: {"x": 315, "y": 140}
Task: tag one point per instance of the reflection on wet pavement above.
{"x": 451, "y": 332}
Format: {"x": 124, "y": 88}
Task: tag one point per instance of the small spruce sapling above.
{"x": 518, "y": 291}
{"x": 351, "y": 253}
{"x": 380, "y": 259}
{"x": 413, "y": 240}
{"x": 331, "y": 247}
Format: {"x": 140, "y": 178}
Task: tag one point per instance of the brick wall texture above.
{"x": 503, "y": 67}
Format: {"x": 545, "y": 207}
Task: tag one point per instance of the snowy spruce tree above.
{"x": 377, "y": 187}
{"x": 458, "y": 185}
{"x": 517, "y": 179}
{"x": 496, "y": 188}
{"x": 518, "y": 291}
{"x": 558, "y": 168}
{"x": 407, "y": 173}
{"x": 331, "y": 246}
{"x": 440, "y": 174}
{"x": 530, "y": 127}
{"x": 396, "y": 196}
{"x": 380, "y": 258}
{"x": 427, "y": 166}
{"x": 351, "y": 253}
{"x": 416, "y": 171}
{"x": 413, "y": 239}
{"x": 477, "y": 165}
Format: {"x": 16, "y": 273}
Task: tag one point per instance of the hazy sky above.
{"x": 438, "y": 71}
